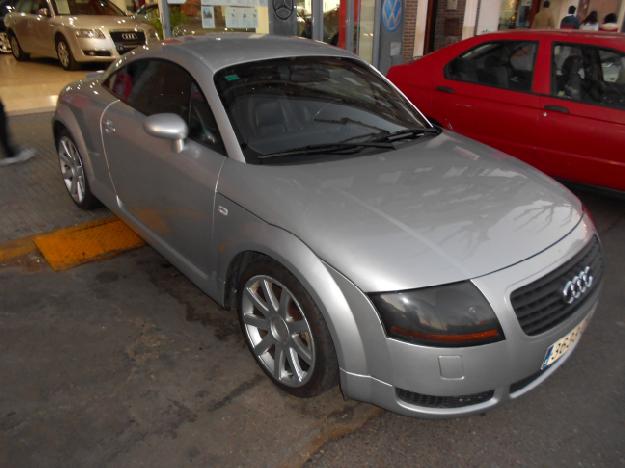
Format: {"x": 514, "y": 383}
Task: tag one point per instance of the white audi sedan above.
{"x": 357, "y": 243}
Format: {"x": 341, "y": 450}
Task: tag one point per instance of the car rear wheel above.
{"x": 16, "y": 50}
{"x": 285, "y": 331}
{"x": 64, "y": 54}
{"x": 72, "y": 170}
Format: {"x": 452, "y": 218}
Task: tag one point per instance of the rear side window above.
{"x": 588, "y": 74}
{"x": 504, "y": 64}
{"x": 25, "y": 6}
{"x": 154, "y": 86}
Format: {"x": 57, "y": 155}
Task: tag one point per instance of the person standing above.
{"x": 544, "y": 18}
{"x": 591, "y": 23}
{"x": 570, "y": 21}
{"x": 11, "y": 154}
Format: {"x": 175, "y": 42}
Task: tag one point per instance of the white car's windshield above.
{"x": 295, "y": 106}
{"x": 86, "y": 7}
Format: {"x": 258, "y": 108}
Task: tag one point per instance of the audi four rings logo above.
{"x": 577, "y": 286}
{"x": 129, "y": 36}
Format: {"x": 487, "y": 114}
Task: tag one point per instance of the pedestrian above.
{"x": 570, "y": 21}
{"x": 544, "y": 18}
{"x": 591, "y": 23}
{"x": 610, "y": 23}
{"x": 11, "y": 154}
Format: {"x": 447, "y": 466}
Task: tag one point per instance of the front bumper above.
{"x": 99, "y": 50}
{"x": 437, "y": 382}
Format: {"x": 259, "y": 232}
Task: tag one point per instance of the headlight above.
{"x": 153, "y": 35}
{"x": 451, "y": 315}
{"x": 89, "y": 33}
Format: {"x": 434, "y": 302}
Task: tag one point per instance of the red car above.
{"x": 555, "y": 99}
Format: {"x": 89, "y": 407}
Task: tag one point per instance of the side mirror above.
{"x": 43, "y": 12}
{"x": 168, "y": 126}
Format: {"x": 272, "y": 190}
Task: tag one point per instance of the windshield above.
{"x": 86, "y": 7}
{"x": 281, "y": 105}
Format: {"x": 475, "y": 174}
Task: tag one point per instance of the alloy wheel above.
{"x": 63, "y": 53}
{"x": 14, "y": 47}
{"x": 72, "y": 169}
{"x": 278, "y": 331}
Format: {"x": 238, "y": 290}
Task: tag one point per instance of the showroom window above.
{"x": 588, "y": 74}
{"x": 504, "y": 64}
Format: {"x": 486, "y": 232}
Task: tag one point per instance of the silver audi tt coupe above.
{"x": 358, "y": 243}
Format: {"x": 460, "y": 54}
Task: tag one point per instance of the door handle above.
{"x": 108, "y": 127}
{"x": 445, "y": 89}
{"x": 554, "y": 108}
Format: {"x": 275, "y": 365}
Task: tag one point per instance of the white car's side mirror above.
{"x": 168, "y": 126}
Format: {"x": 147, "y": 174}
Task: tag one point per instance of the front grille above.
{"x": 431, "y": 401}
{"x": 540, "y": 305}
{"x": 127, "y": 40}
{"x": 516, "y": 386}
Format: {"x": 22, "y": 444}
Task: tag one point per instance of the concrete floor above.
{"x": 124, "y": 363}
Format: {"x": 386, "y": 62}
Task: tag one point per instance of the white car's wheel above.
{"x": 64, "y": 54}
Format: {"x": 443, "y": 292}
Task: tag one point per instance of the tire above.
{"x": 298, "y": 332}
{"x": 72, "y": 172}
{"x": 16, "y": 49}
{"x": 65, "y": 56}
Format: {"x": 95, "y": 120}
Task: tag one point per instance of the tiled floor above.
{"x": 33, "y": 84}
{"x": 33, "y": 198}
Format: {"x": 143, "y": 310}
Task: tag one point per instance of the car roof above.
{"x": 599, "y": 37}
{"x": 219, "y": 50}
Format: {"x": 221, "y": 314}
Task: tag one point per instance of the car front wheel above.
{"x": 285, "y": 331}
{"x": 64, "y": 54}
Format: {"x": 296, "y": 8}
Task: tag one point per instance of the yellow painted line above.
{"x": 67, "y": 248}
{"x": 16, "y": 249}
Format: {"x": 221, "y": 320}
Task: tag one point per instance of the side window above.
{"x": 588, "y": 74}
{"x": 25, "y": 6}
{"x": 161, "y": 86}
{"x": 37, "y": 5}
{"x": 121, "y": 83}
{"x": 202, "y": 124}
{"x": 505, "y": 64}
{"x": 152, "y": 86}
{"x": 155, "y": 86}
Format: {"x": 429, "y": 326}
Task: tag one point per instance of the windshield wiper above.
{"x": 406, "y": 134}
{"x": 327, "y": 148}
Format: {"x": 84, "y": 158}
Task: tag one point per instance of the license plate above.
{"x": 563, "y": 345}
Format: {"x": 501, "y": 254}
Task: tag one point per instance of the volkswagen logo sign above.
{"x": 283, "y": 9}
{"x": 577, "y": 286}
{"x": 391, "y": 14}
{"x": 129, "y": 36}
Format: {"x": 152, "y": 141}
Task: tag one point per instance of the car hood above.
{"x": 102, "y": 21}
{"x": 442, "y": 210}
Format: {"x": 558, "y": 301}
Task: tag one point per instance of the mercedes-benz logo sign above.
{"x": 577, "y": 286}
{"x": 283, "y": 9}
{"x": 129, "y": 36}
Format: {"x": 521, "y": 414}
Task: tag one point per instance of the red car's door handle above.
{"x": 445, "y": 89}
{"x": 564, "y": 110}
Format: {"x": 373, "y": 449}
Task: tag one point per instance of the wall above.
{"x": 445, "y": 17}
{"x": 488, "y": 19}
{"x": 410, "y": 27}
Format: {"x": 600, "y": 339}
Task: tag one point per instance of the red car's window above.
{"x": 502, "y": 64}
{"x": 588, "y": 74}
